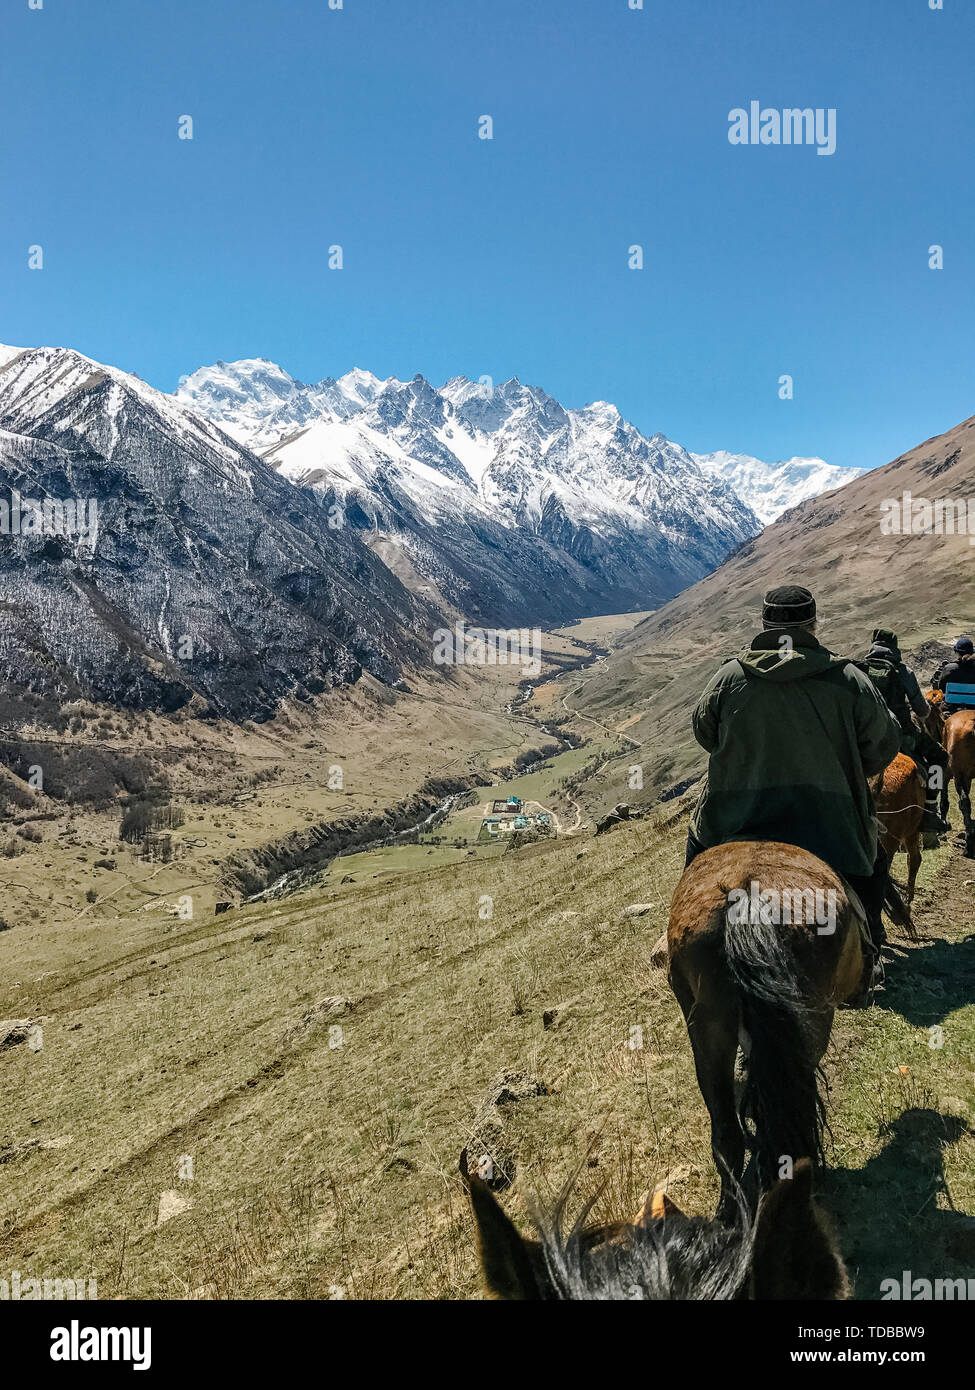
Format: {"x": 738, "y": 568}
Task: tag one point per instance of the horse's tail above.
{"x": 780, "y": 1106}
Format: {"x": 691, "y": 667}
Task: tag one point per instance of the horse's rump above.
{"x": 960, "y": 743}
{"x": 735, "y": 876}
{"x": 899, "y": 793}
{"x": 764, "y": 942}
{"x": 959, "y": 737}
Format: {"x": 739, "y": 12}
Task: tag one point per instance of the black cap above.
{"x": 964, "y": 646}
{"x": 787, "y": 606}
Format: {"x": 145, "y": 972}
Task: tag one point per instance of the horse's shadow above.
{"x": 886, "y": 1213}
{"x": 930, "y": 981}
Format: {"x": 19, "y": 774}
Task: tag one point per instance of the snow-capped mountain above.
{"x": 253, "y": 537}
{"x": 773, "y": 488}
{"x": 498, "y": 500}
{"x": 258, "y": 403}
{"x": 198, "y": 572}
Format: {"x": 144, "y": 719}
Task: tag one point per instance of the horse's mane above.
{"x": 687, "y": 1258}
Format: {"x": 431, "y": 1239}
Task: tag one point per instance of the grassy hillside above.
{"x": 194, "y": 1125}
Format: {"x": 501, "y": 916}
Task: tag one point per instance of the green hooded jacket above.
{"x": 793, "y": 732}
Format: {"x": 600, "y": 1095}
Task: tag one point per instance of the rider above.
{"x": 957, "y": 677}
{"x": 793, "y": 733}
{"x": 900, "y": 689}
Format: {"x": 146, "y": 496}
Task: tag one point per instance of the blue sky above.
{"x": 509, "y": 257}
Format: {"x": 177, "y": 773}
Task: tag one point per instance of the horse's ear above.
{"x": 657, "y": 1207}
{"x": 505, "y": 1257}
{"x": 794, "y": 1253}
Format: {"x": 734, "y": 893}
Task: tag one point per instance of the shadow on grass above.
{"x": 930, "y": 981}
{"x": 886, "y": 1212}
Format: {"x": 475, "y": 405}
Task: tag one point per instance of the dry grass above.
{"x": 325, "y": 1163}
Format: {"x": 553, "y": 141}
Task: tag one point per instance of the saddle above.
{"x": 960, "y": 695}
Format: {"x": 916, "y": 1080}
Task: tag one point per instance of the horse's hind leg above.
{"x": 819, "y": 1026}
{"x": 963, "y": 788}
{"x": 913, "y": 864}
{"x": 712, "y": 1025}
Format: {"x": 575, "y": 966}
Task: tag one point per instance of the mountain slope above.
{"x": 500, "y": 499}
{"x": 921, "y": 584}
{"x": 205, "y": 574}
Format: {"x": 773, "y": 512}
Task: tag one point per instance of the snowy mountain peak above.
{"x": 195, "y": 538}
{"x": 360, "y": 386}
{"x": 238, "y": 395}
{"x": 76, "y": 400}
{"x": 476, "y": 466}
{"x": 460, "y": 475}
{"x": 772, "y": 488}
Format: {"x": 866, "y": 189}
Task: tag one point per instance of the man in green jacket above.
{"x": 793, "y": 732}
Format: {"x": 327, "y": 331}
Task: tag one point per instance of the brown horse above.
{"x": 764, "y": 944}
{"x": 788, "y": 1251}
{"x": 959, "y": 740}
{"x": 898, "y": 794}
{"x": 935, "y": 719}
{"x": 934, "y": 724}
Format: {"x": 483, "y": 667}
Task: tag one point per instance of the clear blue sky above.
{"x": 509, "y": 257}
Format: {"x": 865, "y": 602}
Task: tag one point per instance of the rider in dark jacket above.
{"x": 900, "y": 689}
{"x": 959, "y": 672}
{"x": 793, "y": 732}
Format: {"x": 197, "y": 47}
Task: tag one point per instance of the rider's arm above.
{"x": 918, "y": 703}
{"x": 705, "y": 718}
{"x": 878, "y": 732}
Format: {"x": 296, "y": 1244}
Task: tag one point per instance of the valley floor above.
{"x": 70, "y": 883}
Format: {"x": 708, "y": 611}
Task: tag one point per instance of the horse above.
{"x": 959, "y": 738}
{"x": 748, "y": 968}
{"x": 898, "y": 794}
{"x": 787, "y": 1252}
{"x": 934, "y": 721}
{"x": 934, "y": 724}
